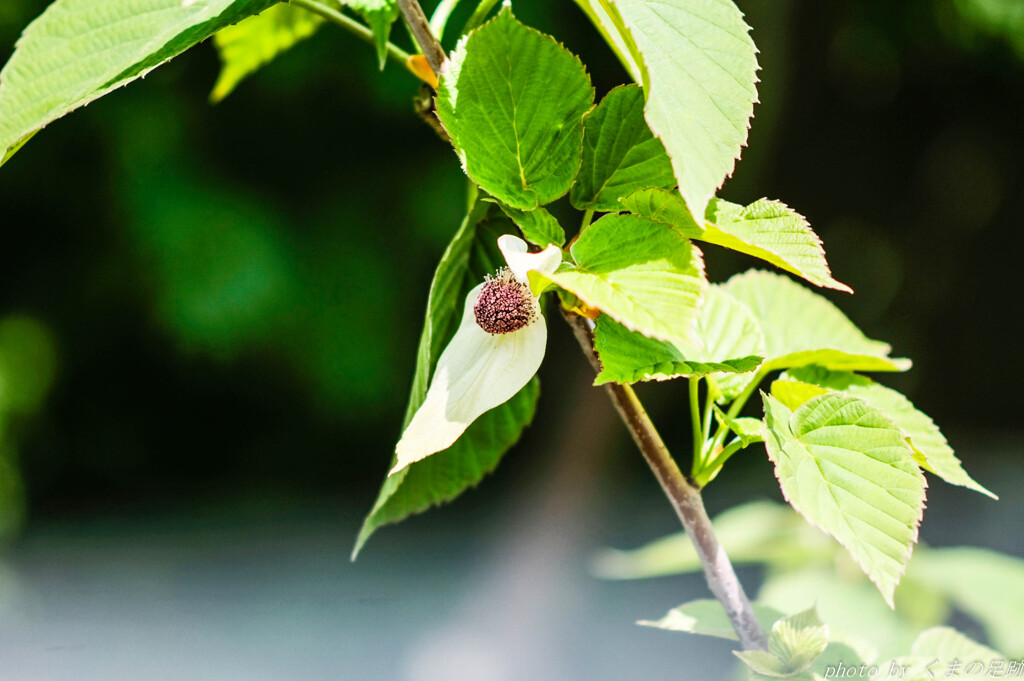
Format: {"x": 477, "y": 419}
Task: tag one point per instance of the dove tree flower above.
{"x": 496, "y": 350}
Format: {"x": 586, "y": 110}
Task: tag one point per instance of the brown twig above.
{"x": 418, "y": 25}
{"x": 685, "y": 498}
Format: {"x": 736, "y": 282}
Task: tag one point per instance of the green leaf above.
{"x": 943, "y": 652}
{"x": 983, "y": 584}
{"x": 701, "y": 69}
{"x": 774, "y": 232}
{"x": 765, "y": 229}
{"x": 950, "y": 644}
{"x": 931, "y": 450}
{"x": 538, "y": 226}
{"x": 727, "y": 328}
{"x": 512, "y": 99}
{"x": 798, "y": 640}
{"x": 746, "y": 428}
{"x": 763, "y": 664}
{"x": 443, "y": 476}
{"x": 629, "y": 357}
{"x": 794, "y": 393}
{"x": 707, "y": 617}
{"x": 79, "y": 50}
{"x": 256, "y": 41}
{"x": 849, "y": 470}
{"x": 642, "y": 274}
{"x": 379, "y": 14}
{"x": 620, "y": 154}
{"x": 801, "y": 327}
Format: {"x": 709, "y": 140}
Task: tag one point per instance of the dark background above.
{"x": 229, "y": 297}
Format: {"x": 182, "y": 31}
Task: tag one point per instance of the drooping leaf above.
{"x": 768, "y": 230}
{"x": 379, "y": 14}
{"x": 849, "y": 470}
{"x": 708, "y": 618}
{"x": 620, "y": 154}
{"x": 538, "y": 226}
{"x": 642, "y": 274}
{"x": 727, "y": 328}
{"x": 700, "y": 66}
{"x": 774, "y": 232}
{"x": 250, "y": 44}
{"x": 630, "y": 357}
{"x": 79, "y": 50}
{"x": 801, "y": 327}
{"x": 439, "y": 478}
{"x": 512, "y": 99}
{"x": 931, "y": 450}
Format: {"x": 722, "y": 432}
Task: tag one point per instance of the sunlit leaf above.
{"x": 620, "y": 154}
{"x": 512, "y": 99}
{"x": 850, "y": 471}
{"x": 768, "y": 230}
{"x": 801, "y": 327}
{"x": 629, "y": 357}
{"x": 250, "y": 44}
{"x": 79, "y": 50}
{"x": 538, "y": 226}
{"x": 700, "y": 66}
{"x": 642, "y": 274}
{"x": 931, "y": 450}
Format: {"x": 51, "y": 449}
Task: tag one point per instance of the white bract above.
{"x": 481, "y": 369}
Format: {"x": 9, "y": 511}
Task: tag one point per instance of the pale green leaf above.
{"x": 984, "y": 584}
{"x": 765, "y": 229}
{"x": 250, "y": 44}
{"x": 763, "y": 664}
{"x": 439, "y": 478}
{"x": 630, "y": 357}
{"x": 701, "y": 69}
{"x": 379, "y": 14}
{"x": 943, "y": 652}
{"x": 797, "y": 640}
{"x": 794, "y": 393}
{"x": 951, "y": 645}
{"x": 79, "y": 50}
{"x": 538, "y": 226}
{"x": 849, "y": 470}
{"x": 774, "y": 232}
{"x": 512, "y": 99}
{"x": 708, "y": 618}
{"x": 727, "y": 328}
{"x": 931, "y": 450}
{"x": 801, "y": 327}
{"x": 642, "y": 274}
{"x": 620, "y": 154}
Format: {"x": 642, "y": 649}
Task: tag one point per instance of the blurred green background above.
{"x": 210, "y": 313}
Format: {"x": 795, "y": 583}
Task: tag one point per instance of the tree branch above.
{"x": 418, "y": 25}
{"x": 684, "y": 496}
